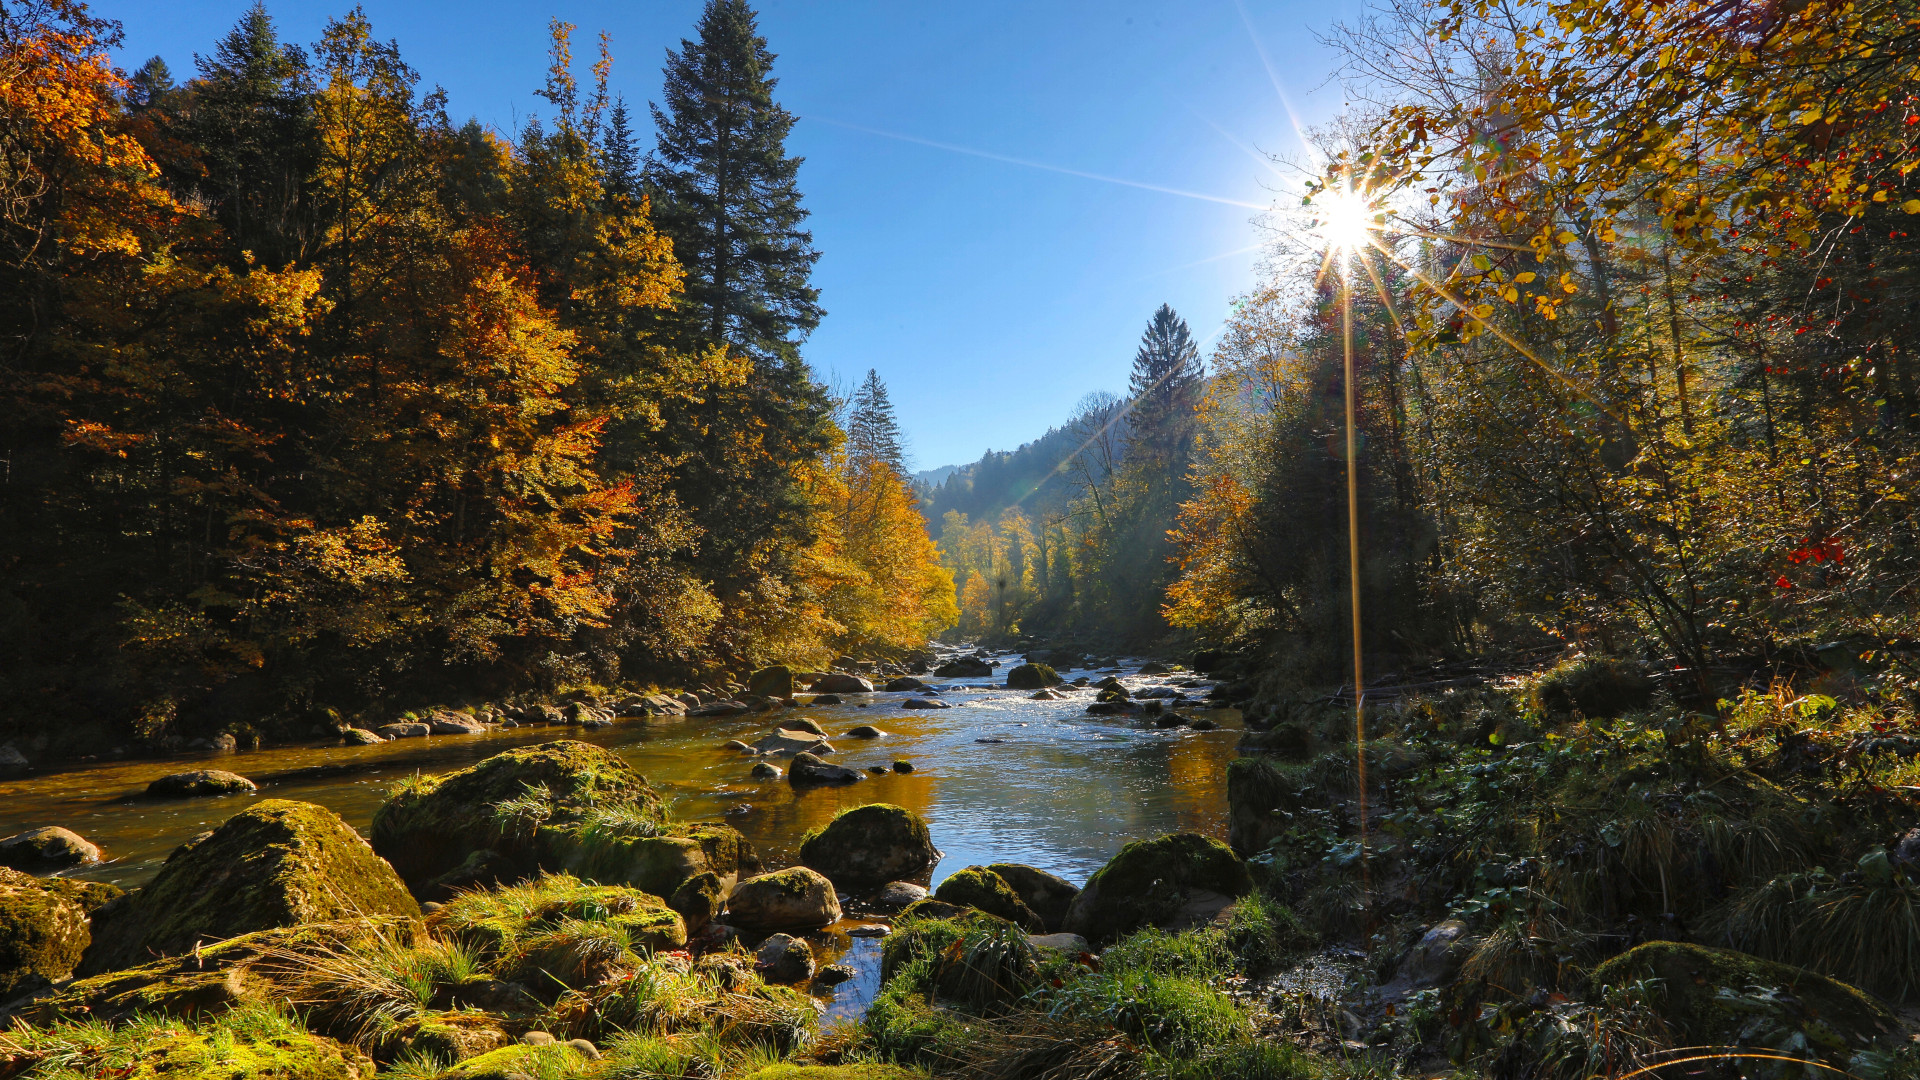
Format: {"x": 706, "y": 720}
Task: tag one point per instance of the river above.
{"x": 1061, "y": 791}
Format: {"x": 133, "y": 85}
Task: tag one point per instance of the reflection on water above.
{"x": 1063, "y": 792}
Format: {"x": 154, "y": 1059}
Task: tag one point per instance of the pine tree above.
{"x": 1166, "y": 372}
{"x": 151, "y": 85}
{"x": 872, "y": 432}
{"x": 724, "y": 190}
{"x": 619, "y": 158}
{"x": 252, "y": 123}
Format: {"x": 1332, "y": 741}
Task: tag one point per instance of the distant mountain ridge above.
{"x": 1035, "y": 476}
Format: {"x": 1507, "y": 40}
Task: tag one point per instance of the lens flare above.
{"x": 1346, "y": 220}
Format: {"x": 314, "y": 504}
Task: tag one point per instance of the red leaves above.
{"x": 1817, "y": 551}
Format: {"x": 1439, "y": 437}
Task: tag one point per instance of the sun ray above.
{"x": 1041, "y": 165}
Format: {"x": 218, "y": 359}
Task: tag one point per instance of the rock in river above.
{"x": 405, "y": 730}
{"x": 784, "y": 959}
{"x": 838, "y": 683}
{"x": 354, "y": 736}
{"x": 51, "y": 848}
{"x": 980, "y": 888}
{"x": 791, "y": 741}
{"x": 792, "y": 899}
{"x": 455, "y": 724}
{"x": 1032, "y": 677}
{"x": 43, "y": 928}
{"x": 865, "y": 731}
{"x": 763, "y": 770}
{"x": 907, "y": 684}
{"x": 1162, "y": 882}
{"x": 771, "y": 682}
{"x": 430, "y": 825}
{"x": 808, "y": 769}
{"x": 201, "y": 782}
{"x": 1049, "y": 895}
{"x": 896, "y": 895}
{"x": 279, "y": 863}
{"x": 801, "y": 723}
{"x": 871, "y": 845}
{"x": 925, "y": 703}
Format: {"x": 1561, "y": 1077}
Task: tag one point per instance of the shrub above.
{"x": 1597, "y": 687}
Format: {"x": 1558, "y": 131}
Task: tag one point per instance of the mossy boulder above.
{"x": 1159, "y": 882}
{"x": 1260, "y": 795}
{"x": 771, "y": 682}
{"x": 792, "y": 899}
{"x": 1715, "y": 997}
{"x": 240, "y": 971}
{"x": 929, "y": 908}
{"x": 691, "y": 865}
{"x": 44, "y": 928}
{"x": 1048, "y": 895}
{"x": 278, "y": 863}
{"x": 868, "y": 846}
{"x": 509, "y": 804}
{"x": 980, "y": 888}
{"x": 502, "y": 922}
{"x": 520, "y": 1061}
{"x": 1033, "y": 677}
{"x": 50, "y": 848}
{"x": 1597, "y": 687}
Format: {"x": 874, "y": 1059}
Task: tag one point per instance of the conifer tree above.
{"x": 619, "y": 158}
{"x": 724, "y": 189}
{"x": 872, "y": 432}
{"x": 252, "y": 122}
{"x": 1166, "y": 371}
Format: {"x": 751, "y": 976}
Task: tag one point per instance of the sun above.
{"x": 1346, "y": 220}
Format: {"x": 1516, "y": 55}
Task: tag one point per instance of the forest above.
{"x": 319, "y": 402}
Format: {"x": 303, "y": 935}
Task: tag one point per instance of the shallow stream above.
{"x": 1060, "y": 790}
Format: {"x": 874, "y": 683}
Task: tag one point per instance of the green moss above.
{"x": 254, "y": 1043}
{"x": 979, "y": 887}
{"x": 1709, "y": 996}
{"x": 870, "y": 845}
{"x": 503, "y": 922}
{"x": 665, "y": 865}
{"x": 1032, "y": 677}
{"x": 790, "y": 1071}
{"x": 1261, "y": 794}
{"x": 551, "y": 1062}
{"x": 1150, "y": 881}
{"x": 43, "y": 929}
{"x": 429, "y": 826}
{"x": 278, "y": 863}
{"x": 450, "y": 1036}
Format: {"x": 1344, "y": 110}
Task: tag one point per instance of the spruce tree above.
{"x": 724, "y": 189}
{"x": 872, "y": 432}
{"x": 619, "y": 158}
{"x": 150, "y": 86}
{"x": 252, "y": 121}
{"x": 1166, "y": 373}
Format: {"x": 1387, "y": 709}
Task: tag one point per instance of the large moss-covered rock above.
{"x": 692, "y": 866}
{"x": 981, "y": 888}
{"x": 1159, "y": 882}
{"x": 1049, "y": 895}
{"x": 509, "y": 804}
{"x": 245, "y": 970}
{"x": 279, "y": 863}
{"x": 44, "y": 928}
{"x": 868, "y": 846}
{"x": 1712, "y": 997}
{"x": 201, "y": 782}
{"x": 1260, "y": 795}
{"x": 792, "y": 899}
{"x": 1033, "y": 677}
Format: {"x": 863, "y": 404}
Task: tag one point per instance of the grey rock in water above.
{"x": 354, "y": 736}
{"x": 404, "y": 730}
{"x": 454, "y": 724}
{"x": 792, "y": 899}
{"x": 808, "y": 769}
{"x": 865, "y": 731}
{"x": 925, "y": 703}
{"x": 11, "y": 758}
{"x": 897, "y": 894}
{"x": 788, "y": 741}
{"x": 841, "y": 683}
{"x": 763, "y": 770}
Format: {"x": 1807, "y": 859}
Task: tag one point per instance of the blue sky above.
{"x": 990, "y": 295}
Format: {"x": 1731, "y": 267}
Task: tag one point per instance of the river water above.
{"x": 1061, "y": 791}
